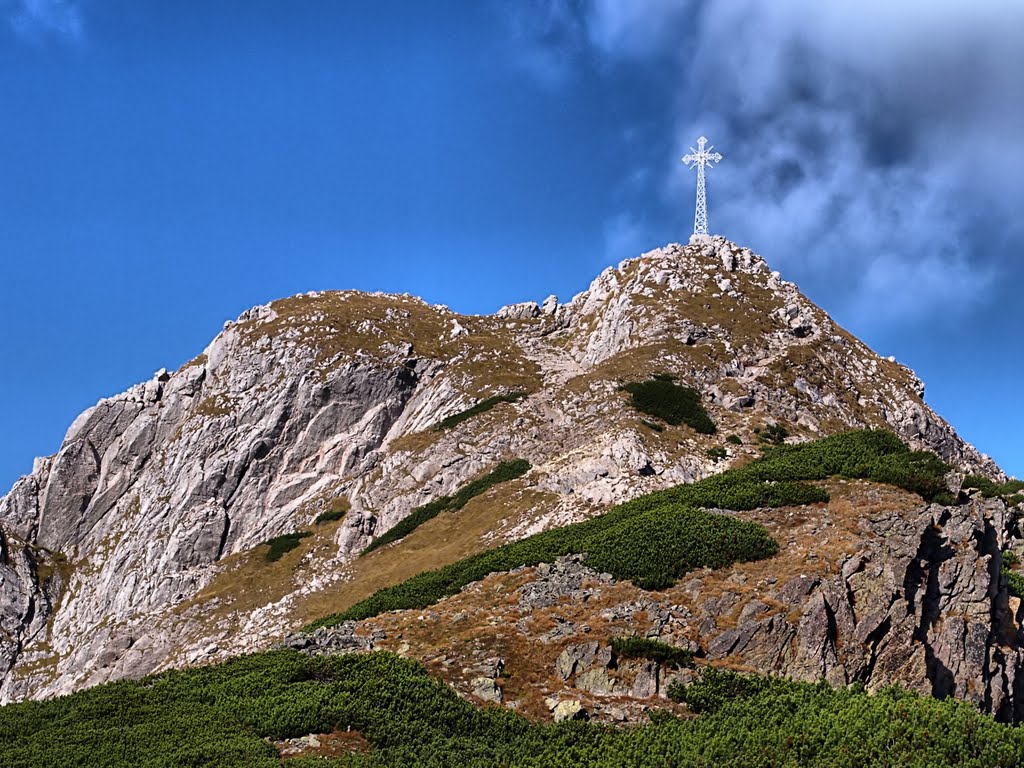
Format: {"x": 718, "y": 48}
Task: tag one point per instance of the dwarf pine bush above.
{"x": 657, "y": 538}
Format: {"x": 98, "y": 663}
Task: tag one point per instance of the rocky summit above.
{"x": 217, "y": 509}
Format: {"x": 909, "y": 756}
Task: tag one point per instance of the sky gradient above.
{"x": 165, "y": 166}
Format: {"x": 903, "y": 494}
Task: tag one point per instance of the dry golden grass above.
{"x": 199, "y": 359}
{"x": 337, "y": 743}
{"x": 449, "y": 537}
{"x": 335, "y": 324}
{"x": 215, "y": 406}
{"x": 247, "y": 580}
{"x": 484, "y": 620}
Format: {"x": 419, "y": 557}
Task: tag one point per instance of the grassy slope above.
{"x": 505, "y": 471}
{"x": 656, "y": 538}
{"x": 220, "y": 716}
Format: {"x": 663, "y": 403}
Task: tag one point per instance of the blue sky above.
{"x": 164, "y": 166}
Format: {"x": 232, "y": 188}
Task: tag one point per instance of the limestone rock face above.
{"x": 922, "y": 603}
{"x": 116, "y": 550}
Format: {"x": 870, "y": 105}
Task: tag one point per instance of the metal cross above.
{"x": 700, "y": 158}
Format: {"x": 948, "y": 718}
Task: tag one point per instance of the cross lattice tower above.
{"x": 699, "y": 159}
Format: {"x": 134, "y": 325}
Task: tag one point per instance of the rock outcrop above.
{"x": 905, "y": 593}
{"x": 116, "y": 551}
{"x": 921, "y": 603}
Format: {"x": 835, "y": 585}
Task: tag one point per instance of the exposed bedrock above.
{"x": 922, "y": 604}
{"x": 333, "y": 397}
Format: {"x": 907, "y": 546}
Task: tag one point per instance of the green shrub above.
{"x": 734, "y": 439}
{"x": 1014, "y": 579}
{"x": 507, "y": 470}
{"x": 330, "y": 515}
{"x": 279, "y": 545}
{"x": 716, "y": 454}
{"x": 773, "y": 434}
{"x": 920, "y": 472}
{"x": 1014, "y": 583}
{"x": 869, "y": 454}
{"x": 716, "y": 688}
{"x": 224, "y": 716}
{"x": 676, "y": 691}
{"x": 654, "y": 548}
{"x": 482, "y": 407}
{"x": 625, "y": 540}
{"x": 673, "y": 404}
{"x": 988, "y": 488}
{"x": 1007, "y": 491}
{"x": 652, "y": 425}
{"x": 637, "y": 647}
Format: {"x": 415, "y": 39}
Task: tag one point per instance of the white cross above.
{"x": 701, "y": 158}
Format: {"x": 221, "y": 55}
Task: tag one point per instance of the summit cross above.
{"x": 700, "y": 158}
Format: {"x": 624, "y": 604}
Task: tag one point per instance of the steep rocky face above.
{"x": 127, "y": 551}
{"x": 900, "y": 592}
{"x": 920, "y": 602}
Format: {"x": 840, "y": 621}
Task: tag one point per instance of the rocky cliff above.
{"x": 138, "y": 545}
{"x": 874, "y": 588}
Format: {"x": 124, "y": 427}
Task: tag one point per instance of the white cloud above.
{"x": 866, "y": 143}
{"x": 633, "y": 27}
{"x": 625, "y": 235}
{"x": 547, "y": 35}
{"x": 861, "y": 151}
{"x": 39, "y": 20}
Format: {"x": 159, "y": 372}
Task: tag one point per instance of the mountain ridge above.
{"x": 128, "y": 551}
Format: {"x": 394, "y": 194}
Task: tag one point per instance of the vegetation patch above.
{"x": 217, "y": 405}
{"x": 280, "y": 545}
{"x": 336, "y": 510}
{"x": 717, "y": 454}
{"x": 1008, "y": 491}
{"x": 482, "y": 407}
{"x": 664, "y": 399}
{"x": 773, "y": 434}
{"x": 654, "y": 548}
{"x": 329, "y": 516}
{"x": 507, "y": 470}
{"x": 867, "y": 454}
{"x": 649, "y": 539}
{"x": 782, "y": 722}
{"x": 1014, "y": 579}
{"x": 734, "y": 439}
{"x": 200, "y": 359}
{"x": 227, "y": 716}
{"x": 637, "y": 647}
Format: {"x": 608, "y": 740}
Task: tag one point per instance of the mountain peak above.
{"x": 141, "y": 540}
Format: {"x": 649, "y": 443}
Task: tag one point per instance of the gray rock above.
{"x": 646, "y": 682}
{"x": 525, "y": 311}
{"x": 486, "y": 689}
{"x": 751, "y": 610}
{"x": 312, "y": 399}
{"x": 557, "y": 581}
{"x": 922, "y": 605}
{"x": 569, "y": 710}
{"x": 339, "y": 639}
{"x": 596, "y": 680}
{"x": 580, "y": 656}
